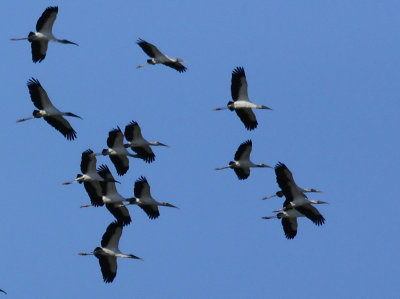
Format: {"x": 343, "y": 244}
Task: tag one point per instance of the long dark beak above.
{"x": 73, "y": 115}
{"x": 64, "y": 41}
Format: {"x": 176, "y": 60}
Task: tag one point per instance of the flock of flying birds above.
{"x": 100, "y": 183}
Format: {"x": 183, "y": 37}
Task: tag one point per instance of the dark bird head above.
{"x": 31, "y": 36}
{"x": 151, "y": 61}
{"x": 230, "y": 105}
{"x": 279, "y": 215}
{"x": 104, "y": 152}
{"x": 79, "y": 176}
{"x": 231, "y": 163}
{"x": 98, "y": 251}
{"x": 36, "y": 114}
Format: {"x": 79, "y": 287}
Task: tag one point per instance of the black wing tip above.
{"x": 132, "y": 123}
{"x": 140, "y": 41}
{"x": 290, "y": 236}
{"x": 87, "y": 152}
{"x": 71, "y": 135}
{"x": 103, "y": 168}
{"x": 251, "y": 125}
{"x": 141, "y": 179}
{"x": 33, "y": 82}
{"x": 247, "y": 142}
{"x": 238, "y": 71}
{"x": 280, "y": 165}
{"x": 52, "y": 8}
{"x": 319, "y": 221}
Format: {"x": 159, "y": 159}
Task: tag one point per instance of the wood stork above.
{"x": 90, "y": 178}
{"x": 289, "y": 218}
{"x": 296, "y": 203}
{"x": 158, "y": 57}
{"x": 40, "y": 39}
{"x": 144, "y": 199}
{"x": 117, "y": 152}
{"x": 112, "y": 199}
{"x": 280, "y": 193}
{"x": 294, "y": 194}
{"x": 241, "y": 103}
{"x": 138, "y": 144}
{"x": 46, "y": 110}
{"x": 108, "y": 252}
{"x": 242, "y": 162}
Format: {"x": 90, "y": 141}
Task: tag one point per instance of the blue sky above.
{"x": 330, "y": 71}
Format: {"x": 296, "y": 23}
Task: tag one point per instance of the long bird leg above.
{"x": 142, "y": 65}
{"x": 25, "y": 118}
{"x": 278, "y": 194}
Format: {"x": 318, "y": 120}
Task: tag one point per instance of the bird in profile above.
{"x": 111, "y": 198}
{"x": 280, "y": 193}
{"x": 241, "y": 103}
{"x": 296, "y": 203}
{"x": 117, "y": 151}
{"x": 46, "y": 110}
{"x": 144, "y": 199}
{"x": 242, "y": 163}
{"x": 138, "y": 144}
{"x": 294, "y": 195}
{"x": 90, "y": 178}
{"x": 40, "y": 39}
{"x": 109, "y": 251}
{"x": 158, "y": 57}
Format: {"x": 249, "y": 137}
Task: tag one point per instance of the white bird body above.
{"x": 39, "y": 40}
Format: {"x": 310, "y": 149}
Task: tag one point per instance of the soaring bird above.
{"x": 90, "y": 178}
{"x": 241, "y": 103}
{"x": 158, "y": 57}
{"x": 108, "y": 252}
{"x": 46, "y": 110}
{"x": 40, "y": 39}
{"x": 117, "y": 152}
{"x": 304, "y": 190}
{"x": 294, "y": 194}
{"x": 290, "y": 214}
{"x": 242, "y": 162}
{"x": 144, "y": 199}
{"x": 112, "y": 199}
{"x": 296, "y": 203}
{"x": 138, "y": 144}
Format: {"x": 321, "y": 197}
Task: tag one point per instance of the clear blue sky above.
{"x": 330, "y": 71}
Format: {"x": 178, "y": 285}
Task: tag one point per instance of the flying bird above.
{"x": 46, "y": 110}
{"x": 241, "y": 103}
{"x": 294, "y": 194}
{"x": 242, "y": 162}
{"x": 296, "y": 203}
{"x": 144, "y": 199}
{"x": 90, "y": 178}
{"x": 117, "y": 152}
{"x": 108, "y": 252}
{"x": 138, "y": 144}
{"x": 158, "y": 57}
{"x": 3, "y": 291}
{"x": 40, "y": 39}
{"x": 111, "y": 198}
{"x": 280, "y": 193}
